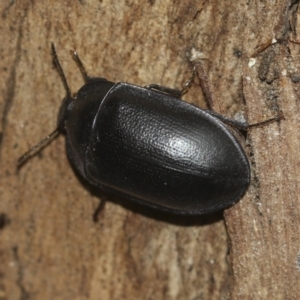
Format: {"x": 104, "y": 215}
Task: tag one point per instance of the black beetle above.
{"x": 149, "y": 146}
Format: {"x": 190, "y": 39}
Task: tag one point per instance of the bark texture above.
{"x": 51, "y": 248}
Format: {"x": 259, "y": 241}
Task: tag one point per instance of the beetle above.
{"x": 147, "y": 145}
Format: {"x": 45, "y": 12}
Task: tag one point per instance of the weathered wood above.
{"x": 51, "y": 248}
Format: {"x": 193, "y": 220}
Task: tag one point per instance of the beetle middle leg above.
{"x": 174, "y": 92}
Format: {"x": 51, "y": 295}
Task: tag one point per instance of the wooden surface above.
{"x": 50, "y": 248}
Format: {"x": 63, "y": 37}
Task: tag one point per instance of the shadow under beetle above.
{"x": 149, "y": 146}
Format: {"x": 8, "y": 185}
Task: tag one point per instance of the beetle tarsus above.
{"x": 98, "y": 210}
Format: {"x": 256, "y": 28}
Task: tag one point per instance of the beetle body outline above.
{"x": 155, "y": 149}
{"x": 148, "y": 146}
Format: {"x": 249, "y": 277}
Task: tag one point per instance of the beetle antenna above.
{"x": 37, "y": 148}
{"x": 80, "y": 65}
{"x": 44, "y": 142}
{"x": 60, "y": 70}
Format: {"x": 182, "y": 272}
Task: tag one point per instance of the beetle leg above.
{"x": 234, "y": 123}
{"x": 189, "y": 82}
{"x": 206, "y": 88}
{"x": 99, "y": 209}
{"x": 279, "y": 117}
{"x": 173, "y": 92}
{"x": 262, "y": 47}
{"x": 244, "y": 125}
{"x": 205, "y": 85}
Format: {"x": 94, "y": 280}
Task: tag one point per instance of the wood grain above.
{"x": 51, "y": 248}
